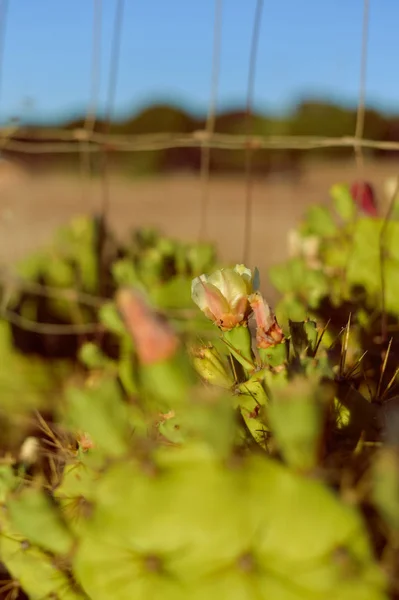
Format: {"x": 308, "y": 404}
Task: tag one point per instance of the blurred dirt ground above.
{"x": 32, "y": 207}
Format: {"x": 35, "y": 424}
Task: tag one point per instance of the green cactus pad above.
{"x": 35, "y": 516}
{"x": 192, "y": 526}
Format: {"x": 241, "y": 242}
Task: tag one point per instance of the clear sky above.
{"x": 307, "y": 48}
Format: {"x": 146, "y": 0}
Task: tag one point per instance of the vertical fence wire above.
{"x": 210, "y": 122}
{"x": 359, "y": 156}
{"x": 112, "y": 85}
{"x": 361, "y": 107}
{"x": 7, "y": 289}
{"x": 3, "y": 23}
{"x": 248, "y": 205}
{"x": 95, "y": 78}
{"x": 4, "y": 7}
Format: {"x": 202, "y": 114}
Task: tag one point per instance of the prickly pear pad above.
{"x": 35, "y": 570}
{"x": 194, "y": 527}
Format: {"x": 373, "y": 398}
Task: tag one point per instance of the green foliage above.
{"x": 345, "y": 262}
{"x": 343, "y": 202}
{"x": 85, "y": 262}
{"x": 35, "y": 517}
{"x": 297, "y": 419}
{"x": 27, "y": 384}
{"x": 108, "y": 424}
{"x": 222, "y": 542}
{"x": 255, "y": 465}
{"x": 181, "y": 506}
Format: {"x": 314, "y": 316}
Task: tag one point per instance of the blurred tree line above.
{"x": 310, "y": 118}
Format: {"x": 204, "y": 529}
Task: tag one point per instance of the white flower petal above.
{"x": 251, "y": 279}
{"x": 198, "y": 291}
{"x": 218, "y": 280}
{"x": 235, "y": 287}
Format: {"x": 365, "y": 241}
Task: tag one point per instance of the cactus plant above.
{"x": 185, "y": 491}
{"x": 260, "y": 462}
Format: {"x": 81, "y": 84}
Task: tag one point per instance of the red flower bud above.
{"x": 363, "y": 194}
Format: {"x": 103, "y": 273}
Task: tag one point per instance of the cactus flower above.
{"x": 268, "y": 331}
{"x": 223, "y": 296}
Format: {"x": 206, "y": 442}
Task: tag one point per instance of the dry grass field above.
{"x": 31, "y": 207}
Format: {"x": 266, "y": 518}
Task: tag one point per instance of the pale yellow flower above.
{"x": 223, "y": 295}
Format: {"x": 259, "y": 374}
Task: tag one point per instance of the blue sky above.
{"x": 307, "y": 48}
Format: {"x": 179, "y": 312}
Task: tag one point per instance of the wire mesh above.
{"x": 87, "y": 141}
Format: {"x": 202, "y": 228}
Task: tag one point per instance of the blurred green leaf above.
{"x": 92, "y": 357}
{"x": 35, "y": 571}
{"x": 195, "y": 529}
{"x": 109, "y": 317}
{"x": 343, "y": 201}
{"x": 296, "y": 416}
{"x": 175, "y": 293}
{"x": 101, "y": 412}
{"x": 125, "y": 273}
{"x": 35, "y": 516}
{"x": 319, "y": 221}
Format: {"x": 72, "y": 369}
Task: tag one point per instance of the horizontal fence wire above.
{"x": 12, "y": 283}
{"x": 69, "y": 142}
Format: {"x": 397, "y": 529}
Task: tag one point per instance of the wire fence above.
{"x": 87, "y": 141}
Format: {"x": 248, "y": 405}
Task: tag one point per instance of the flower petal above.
{"x": 218, "y": 279}
{"x": 243, "y": 271}
{"x": 231, "y": 285}
{"x": 198, "y": 291}
{"x": 209, "y": 299}
{"x": 247, "y": 276}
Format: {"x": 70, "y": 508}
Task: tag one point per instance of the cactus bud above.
{"x": 210, "y": 367}
{"x": 165, "y": 373}
{"x": 154, "y": 338}
{"x": 268, "y": 331}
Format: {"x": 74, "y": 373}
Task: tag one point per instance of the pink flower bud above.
{"x": 268, "y": 331}
{"x": 154, "y": 338}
